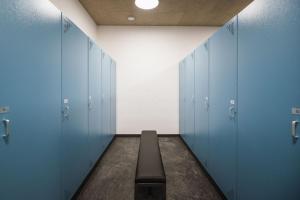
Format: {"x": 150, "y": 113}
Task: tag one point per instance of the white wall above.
{"x": 147, "y": 73}
{"x": 76, "y": 12}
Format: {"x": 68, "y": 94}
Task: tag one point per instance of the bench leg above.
{"x": 150, "y": 191}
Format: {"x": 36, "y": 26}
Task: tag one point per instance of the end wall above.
{"x": 147, "y": 73}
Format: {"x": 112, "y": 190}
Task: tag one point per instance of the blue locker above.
{"x": 181, "y": 98}
{"x": 269, "y": 68}
{"x": 222, "y": 113}
{"x": 201, "y": 103}
{"x": 113, "y": 99}
{"x": 189, "y": 89}
{"x": 75, "y": 159}
{"x": 95, "y": 109}
{"x": 106, "y": 98}
{"x": 183, "y": 93}
{"x": 30, "y": 71}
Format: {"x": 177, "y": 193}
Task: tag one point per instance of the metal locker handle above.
{"x": 294, "y": 129}
{"x": 231, "y": 112}
{"x": 90, "y": 103}
{"x": 206, "y": 103}
{"x": 232, "y": 109}
{"x": 66, "y": 112}
{"x": 6, "y": 124}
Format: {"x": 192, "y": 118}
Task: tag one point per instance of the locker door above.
{"x": 106, "y": 76}
{"x": 75, "y": 162}
{"x": 189, "y": 100}
{"x": 222, "y": 116}
{"x": 30, "y": 71}
{"x": 201, "y": 105}
{"x": 113, "y": 99}
{"x": 183, "y": 66}
{"x": 185, "y": 97}
{"x": 269, "y": 68}
{"x": 181, "y": 98}
{"x": 95, "y": 95}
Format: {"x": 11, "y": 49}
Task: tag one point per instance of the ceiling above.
{"x": 168, "y": 13}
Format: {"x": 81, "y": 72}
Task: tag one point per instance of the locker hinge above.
{"x": 230, "y": 28}
{"x": 67, "y": 25}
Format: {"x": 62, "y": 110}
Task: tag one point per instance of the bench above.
{"x": 150, "y": 179}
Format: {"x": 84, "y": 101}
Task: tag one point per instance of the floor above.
{"x": 113, "y": 177}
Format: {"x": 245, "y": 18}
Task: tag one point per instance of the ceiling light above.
{"x": 131, "y": 18}
{"x": 146, "y": 4}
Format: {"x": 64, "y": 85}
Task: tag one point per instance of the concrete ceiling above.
{"x": 168, "y": 13}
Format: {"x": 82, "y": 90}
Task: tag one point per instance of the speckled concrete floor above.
{"x": 113, "y": 178}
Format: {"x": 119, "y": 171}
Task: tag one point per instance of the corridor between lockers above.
{"x": 116, "y": 172}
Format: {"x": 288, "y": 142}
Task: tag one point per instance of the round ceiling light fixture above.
{"x": 147, "y": 4}
{"x": 131, "y": 18}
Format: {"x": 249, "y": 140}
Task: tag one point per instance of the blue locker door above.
{"x": 181, "y": 98}
{"x": 106, "y": 76}
{"x": 95, "y": 95}
{"x": 269, "y": 69}
{"x": 75, "y": 159}
{"x": 113, "y": 99}
{"x": 222, "y": 116}
{"x": 190, "y": 99}
{"x": 201, "y": 103}
{"x": 183, "y": 71}
{"x": 30, "y": 71}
